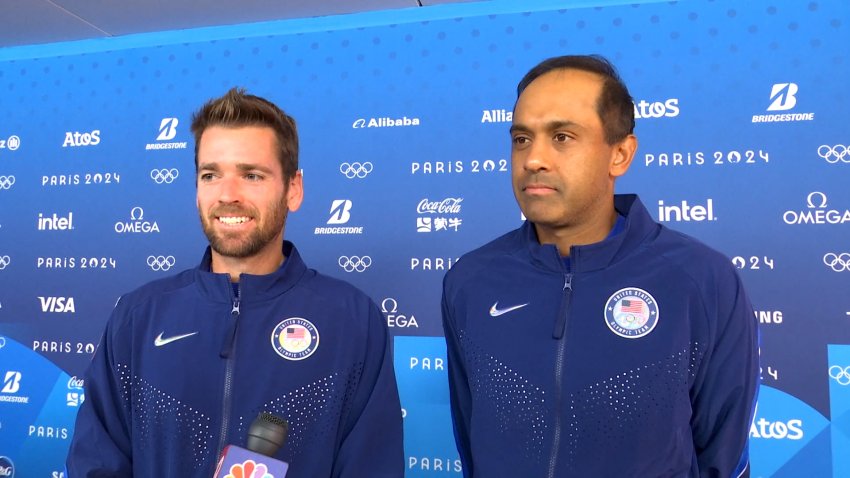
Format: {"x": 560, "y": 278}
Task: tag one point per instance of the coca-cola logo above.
{"x": 446, "y": 206}
{"x": 75, "y": 383}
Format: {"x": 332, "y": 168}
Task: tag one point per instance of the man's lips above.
{"x": 538, "y": 188}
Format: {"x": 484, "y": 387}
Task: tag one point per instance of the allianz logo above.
{"x": 137, "y": 223}
{"x": 656, "y": 109}
{"x": 497, "y": 116}
{"x": 75, "y": 138}
{"x": 56, "y": 222}
{"x": 817, "y": 212}
{"x": 384, "y": 122}
{"x": 778, "y": 430}
{"x": 57, "y": 304}
{"x": 686, "y": 212}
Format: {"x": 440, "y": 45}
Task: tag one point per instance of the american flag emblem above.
{"x": 295, "y": 332}
{"x": 632, "y": 306}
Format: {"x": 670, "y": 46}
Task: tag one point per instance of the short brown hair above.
{"x": 237, "y": 108}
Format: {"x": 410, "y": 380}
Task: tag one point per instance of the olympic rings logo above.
{"x": 4, "y": 261}
{"x": 837, "y": 262}
{"x": 840, "y": 375}
{"x": 834, "y": 154}
{"x": 161, "y": 263}
{"x": 354, "y": 263}
{"x": 164, "y": 175}
{"x": 6, "y": 182}
{"x": 356, "y": 169}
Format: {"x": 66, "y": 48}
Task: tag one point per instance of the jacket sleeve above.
{"x": 372, "y": 441}
{"x": 101, "y": 444}
{"x": 724, "y": 401}
{"x": 459, "y": 393}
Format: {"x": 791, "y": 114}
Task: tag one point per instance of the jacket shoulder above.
{"x": 155, "y": 288}
{"x": 480, "y": 259}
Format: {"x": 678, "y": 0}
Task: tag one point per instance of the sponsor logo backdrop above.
{"x": 742, "y": 119}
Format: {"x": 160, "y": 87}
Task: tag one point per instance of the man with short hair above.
{"x": 188, "y": 362}
{"x": 593, "y": 341}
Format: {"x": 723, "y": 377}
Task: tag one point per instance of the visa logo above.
{"x": 57, "y": 304}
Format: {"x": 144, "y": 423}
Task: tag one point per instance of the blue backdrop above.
{"x": 741, "y": 112}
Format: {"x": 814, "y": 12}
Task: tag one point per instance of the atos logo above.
{"x": 75, "y": 138}
{"x": 137, "y": 223}
{"x": 57, "y": 304}
{"x": 817, "y": 212}
{"x": 11, "y": 144}
{"x": 389, "y": 307}
{"x": 779, "y": 430}
{"x": 56, "y": 222}
{"x": 167, "y": 129}
{"x": 783, "y": 96}
{"x": 669, "y": 108}
{"x": 7, "y": 468}
{"x": 686, "y": 212}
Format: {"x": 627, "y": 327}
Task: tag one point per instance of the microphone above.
{"x": 266, "y": 436}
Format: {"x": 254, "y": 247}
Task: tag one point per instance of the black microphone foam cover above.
{"x": 267, "y": 434}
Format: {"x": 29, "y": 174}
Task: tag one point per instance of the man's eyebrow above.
{"x": 547, "y": 126}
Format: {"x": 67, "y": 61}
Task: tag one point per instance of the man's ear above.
{"x": 295, "y": 192}
{"x": 622, "y": 155}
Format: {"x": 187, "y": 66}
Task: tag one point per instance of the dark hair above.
{"x": 614, "y": 106}
{"x": 237, "y": 108}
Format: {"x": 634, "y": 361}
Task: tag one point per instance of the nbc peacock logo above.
{"x": 248, "y": 469}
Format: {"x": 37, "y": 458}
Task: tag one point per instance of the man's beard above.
{"x": 259, "y": 238}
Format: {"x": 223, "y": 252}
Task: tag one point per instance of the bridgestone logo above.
{"x": 14, "y": 399}
{"x": 166, "y": 145}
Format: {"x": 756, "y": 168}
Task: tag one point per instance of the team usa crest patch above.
{"x": 295, "y": 338}
{"x": 631, "y": 313}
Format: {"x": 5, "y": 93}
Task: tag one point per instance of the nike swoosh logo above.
{"x": 159, "y": 341}
{"x": 495, "y": 311}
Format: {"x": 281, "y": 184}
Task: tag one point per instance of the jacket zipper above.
{"x": 227, "y": 354}
{"x": 559, "y": 334}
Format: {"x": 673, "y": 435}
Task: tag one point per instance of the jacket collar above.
{"x": 251, "y": 287}
{"x": 639, "y": 224}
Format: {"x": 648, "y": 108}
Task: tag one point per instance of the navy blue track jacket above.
{"x": 642, "y": 361}
{"x": 184, "y": 368}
